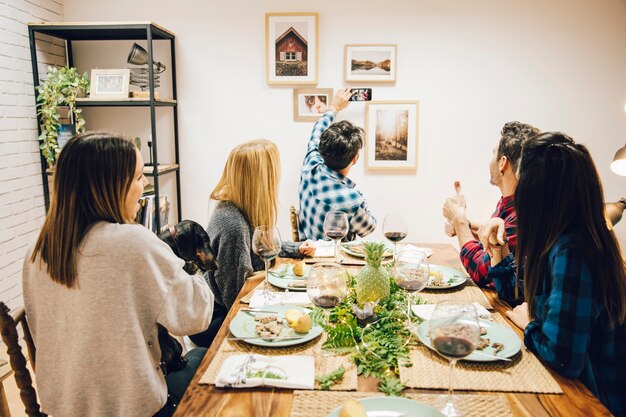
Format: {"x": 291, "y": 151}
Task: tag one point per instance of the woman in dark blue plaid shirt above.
{"x": 570, "y": 268}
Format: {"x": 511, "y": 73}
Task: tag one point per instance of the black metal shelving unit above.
{"x": 147, "y": 31}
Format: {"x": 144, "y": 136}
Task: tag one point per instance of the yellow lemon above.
{"x": 303, "y": 324}
{"x": 298, "y": 269}
{"x": 292, "y": 316}
{"x": 352, "y": 408}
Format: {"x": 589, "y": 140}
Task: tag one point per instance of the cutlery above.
{"x": 500, "y": 358}
{"x": 269, "y": 339}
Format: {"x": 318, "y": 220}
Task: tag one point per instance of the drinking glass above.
{"x": 454, "y": 333}
{"x": 411, "y": 273}
{"x": 336, "y": 227}
{"x": 327, "y": 286}
{"x": 394, "y": 229}
{"x": 266, "y": 244}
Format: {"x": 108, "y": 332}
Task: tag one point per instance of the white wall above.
{"x": 472, "y": 65}
{"x": 21, "y": 192}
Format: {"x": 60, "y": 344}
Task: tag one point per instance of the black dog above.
{"x": 190, "y": 242}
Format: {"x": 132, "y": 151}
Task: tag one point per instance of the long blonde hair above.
{"x": 250, "y": 181}
{"x": 91, "y": 180}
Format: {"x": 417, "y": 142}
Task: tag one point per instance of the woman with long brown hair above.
{"x": 96, "y": 286}
{"x": 247, "y": 195}
{"x": 570, "y": 265}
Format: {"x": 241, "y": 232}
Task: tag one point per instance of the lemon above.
{"x": 292, "y": 316}
{"x": 298, "y": 269}
{"x": 303, "y": 324}
{"x": 352, "y": 408}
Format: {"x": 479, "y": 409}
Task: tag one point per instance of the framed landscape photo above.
{"x": 371, "y": 63}
{"x": 109, "y": 84}
{"x": 392, "y": 131}
{"x": 291, "y": 48}
{"x": 310, "y": 103}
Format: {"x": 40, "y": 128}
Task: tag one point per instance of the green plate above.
{"x": 283, "y": 276}
{"x": 349, "y": 249}
{"x": 495, "y": 333}
{"x": 393, "y": 407}
{"x": 243, "y": 325}
{"x": 450, "y": 275}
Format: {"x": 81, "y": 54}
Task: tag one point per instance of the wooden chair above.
{"x": 293, "y": 216}
{"x": 8, "y": 327}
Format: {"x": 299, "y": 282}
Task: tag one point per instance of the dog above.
{"x": 190, "y": 242}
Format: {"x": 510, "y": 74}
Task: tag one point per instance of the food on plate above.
{"x": 298, "y": 269}
{"x": 483, "y": 330}
{"x": 352, "y": 408}
{"x": 484, "y": 343}
{"x": 297, "y": 284}
{"x": 303, "y": 324}
{"x": 292, "y": 315}
{"x": 360, "y": 249}
{"x": 436, "y": 274}
{"x": 438, "y": 282}
{"x": 269, "y": 326}
{"x": 497, "y": 347}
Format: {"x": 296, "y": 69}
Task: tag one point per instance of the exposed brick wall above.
{"x": 21, "y": 193}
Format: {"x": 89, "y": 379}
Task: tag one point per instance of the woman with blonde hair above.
{"x": 96, "y": 287}
{"x": 247, "y": 195}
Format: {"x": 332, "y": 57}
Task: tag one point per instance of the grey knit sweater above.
{"x": 231, "y": 241}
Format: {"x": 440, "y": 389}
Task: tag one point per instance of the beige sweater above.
{"x": 97, "y": 347}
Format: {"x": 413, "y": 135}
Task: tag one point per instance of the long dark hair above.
{"x": 559, "y": 189}
{"x": 91, "y": 180}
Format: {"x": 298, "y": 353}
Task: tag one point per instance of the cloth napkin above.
{"x": 425, "y": 311}
{"x": 262, "y": 298}
{"x": 324, "y": 249}
{"x": 427, "y": 251}
{"x": 293, "y": 371}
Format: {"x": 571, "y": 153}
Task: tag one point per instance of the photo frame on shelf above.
{"x": 291, "y": 48}
{"x": 310, "y": 103}
{"x": 109, "y": 84}
{"x": 392, "y": 134}
{"x": 374, "y": 63}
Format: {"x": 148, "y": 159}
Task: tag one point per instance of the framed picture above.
{"x": 392, "y": 131}
{"x": 109, "y": 84}
{"x": 291, "y": 48}
{"x": 371, "y": 63}
{"x": 310, "y": 103}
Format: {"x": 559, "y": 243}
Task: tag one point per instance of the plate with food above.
{"x": 357, "y": 249}
{"x": 444, "y": 277}
{"x": 384, "y": 407}
{"x": 274, "y": 326}
{"x": 496, "y": 341}
{"x": 290, "y": 276}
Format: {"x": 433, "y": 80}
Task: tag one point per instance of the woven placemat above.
{"x": 321, "y": 403}
{"x": 468, "y": 294}
{"x": 325, "y": 362}
{"x": 524, "y": 374}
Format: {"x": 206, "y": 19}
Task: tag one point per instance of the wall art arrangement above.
{"x": 291, "y": 48}
{"x": 370, "y": 63}
{"x": 391, "y": 129}
{"x": 310, "y": 103}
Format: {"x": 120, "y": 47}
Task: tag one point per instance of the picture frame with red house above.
{"x": 291, "y": 43}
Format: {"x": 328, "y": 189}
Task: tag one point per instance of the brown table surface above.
{"x": 207, "y": 400}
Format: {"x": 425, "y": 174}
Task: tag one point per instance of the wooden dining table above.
{"x": 208, "y": 400}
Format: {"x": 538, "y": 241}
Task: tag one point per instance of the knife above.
{"x": 268, "y": 339}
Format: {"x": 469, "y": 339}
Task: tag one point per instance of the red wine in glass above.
{"x": 411, "y": 286}
{"x": 336, "y": 235}
{"x": 453, "y": 347}
{"x": 326, "y": 301}
{"x": 395, "y": 237}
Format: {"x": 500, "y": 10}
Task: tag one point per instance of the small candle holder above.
{"x": 365, "y": 315}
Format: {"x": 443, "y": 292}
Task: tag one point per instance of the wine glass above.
{"x": 327, "y": 285}
{"x": 411, "y": 273}
{"x": 266, "y": 244}
{"x": 454, "y": 333}
{"x": 336, "y": 227}
{"x": 395, "y": 229}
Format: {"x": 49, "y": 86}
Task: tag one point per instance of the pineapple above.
{"x": 372, "y": 283}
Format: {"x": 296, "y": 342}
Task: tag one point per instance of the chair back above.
{"x": 8, "y": 329}
{"x": 293, "y": 216}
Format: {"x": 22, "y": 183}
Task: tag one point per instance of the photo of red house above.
{"x": 291, "y": 54}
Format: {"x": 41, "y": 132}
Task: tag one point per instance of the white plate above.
{"x": 347, "y": 248}
{"x": 393, "y": 407}
{"x": 283, "y": 277}
{"x": 452, "y": 276}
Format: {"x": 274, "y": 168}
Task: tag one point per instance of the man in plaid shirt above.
{"x": 324, "y": 184}
{"x": 502, "y": 168}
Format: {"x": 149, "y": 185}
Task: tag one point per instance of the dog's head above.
{"x": 191, "y": 243}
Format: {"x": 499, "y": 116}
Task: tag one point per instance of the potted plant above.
{"x": 60, "y": 88}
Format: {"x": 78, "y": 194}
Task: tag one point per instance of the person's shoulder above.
{"x": 227, "y": 220}
{"x": 128, "y": 238}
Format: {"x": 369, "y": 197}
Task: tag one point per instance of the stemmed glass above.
{"x": 336, "y": 227}
{"x": 266, "y": 244}
{"x": 454, "y": 333}
{"x": 394, "y": 229}
{"x": 411, "y": 273}
{"x": 327, "y": 285}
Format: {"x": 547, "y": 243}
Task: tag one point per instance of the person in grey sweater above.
{"x": 96, "y": 287}
{"x": 247, "y": 197}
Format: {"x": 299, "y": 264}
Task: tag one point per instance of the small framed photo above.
{"x": 109, "y": 84}
{"x": 371, "y": 63}
{"x": 392, "y": 131}
{"x": 310, "y": 103}
{"x": 291, "y": 48}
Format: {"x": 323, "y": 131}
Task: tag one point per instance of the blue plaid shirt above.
{"x": 571, "y": 330}
{"x": 323, "y": 189}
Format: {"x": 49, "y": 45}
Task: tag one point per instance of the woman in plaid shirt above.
{"x": 570, "y": 268}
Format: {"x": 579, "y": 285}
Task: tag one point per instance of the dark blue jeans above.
{"x": 177, "y": 382}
